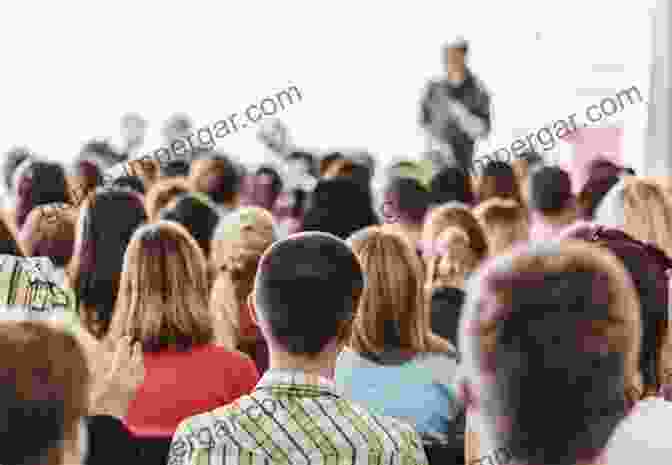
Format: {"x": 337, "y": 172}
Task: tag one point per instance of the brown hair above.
{"x": 10, "y": 245}
{"x": 49, "y": 231}
{"x": 392, "y": 310}
{"x": 162, "y": 193}
{"x": 504, "y": 222}
{"x": 47, "y": 379}
{"x": 238, "y": 245}
{"x": 453, "y": 214}
{"x": 163, "y": 293}
{"x": 648, "y": 213}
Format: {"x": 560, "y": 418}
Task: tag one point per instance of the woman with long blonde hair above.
{"x": 191, "y": 366}
{"x": 394, "y": 364}
{"x": 238, "y": 244}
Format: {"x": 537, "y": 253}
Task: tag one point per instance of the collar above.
{"x": 297, "y": 383}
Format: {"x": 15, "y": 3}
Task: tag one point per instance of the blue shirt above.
{"x": 419, "y": 391}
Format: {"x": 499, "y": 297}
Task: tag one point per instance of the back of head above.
{"x": 392, "y": 314}
{"x": 163, "y": 290}
{"x": 340, "y": 207}
{"x": 647, "y": 268}
{"x": 319, "y": 262}
{"x": 40, "y": 183}
{"x": 548, "y": 319}
{"x": 648, "y": 213}
{"x": 266, "y": 187}
{"x": 504, "y": 222}
{"x": 550, "y": 190}
{"x": 218, "y": 177}
{"x": 49, "y": 231}
{"x": 407, "y": 200}
{"x": 452, "y": 184}
{"x": 197, "y": 214}
{"x": 106, "y": 223}
{"x": 43, "y": 393}
{"x": 163, "y": 193}
{"x": 453, "y": 215}
{"x": 499, "y": 180}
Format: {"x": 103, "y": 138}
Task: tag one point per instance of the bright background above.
{"x": 71, "y": 68}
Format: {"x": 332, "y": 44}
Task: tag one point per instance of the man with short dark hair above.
{"x": 217, "y": 176}
{"x": 295, "y": 415}
{"x": 552, "y": 204}
{"x": 455, "y": 110}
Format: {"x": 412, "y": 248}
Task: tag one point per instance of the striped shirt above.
{"x": 294, "y": 418}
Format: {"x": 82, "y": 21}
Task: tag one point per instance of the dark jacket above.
{"x": 446, "y": 304}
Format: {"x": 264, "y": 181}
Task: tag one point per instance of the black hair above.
{"x": 452, "y": 184}
{"x": 218, "y": 176}
{"x": 539, "y": 347}
{"x": 13, "y": 159}
{"x": 550, "y": 189}
{"x": 314, "y": 261}
{"x": 107, "y": 224}
{"x": 498, "y": 179}
{"x": 175, "y": 168}
{"x": 199, "y": 218}
{"x": 339, "y": 206}
{"x": 41, "y": 183}
{"x": 133, "y": 183}
{"x": 410, "y": 199}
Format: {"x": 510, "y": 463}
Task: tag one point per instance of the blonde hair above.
{"x": 163, "y": 293}
{"x": 162, "y": 193}
{"x": 504, "y": 222}
{"x": 453, "y": 261}
{"x": 238, "y": 244}
{"x": 648, "y": 213}
{"x": 392, "y": 310}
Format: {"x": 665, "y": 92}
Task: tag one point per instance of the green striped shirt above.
{"x": 294, "y": 418}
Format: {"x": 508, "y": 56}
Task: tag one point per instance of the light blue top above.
{"x": 419, "y": 391}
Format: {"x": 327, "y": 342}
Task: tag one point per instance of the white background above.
{"x": 70, "y": 69}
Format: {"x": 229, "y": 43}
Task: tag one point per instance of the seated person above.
{"x": 304, "y": 299}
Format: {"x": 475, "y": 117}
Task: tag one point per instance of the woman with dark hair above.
{"x": 451, "y": 184}
{"x": 405, "y": 204}
{"x": 266, "y": 187}
{"x": 196, "y": 213}
{"x": 499, "y": 180}
{"x": 108, "y": 218}
{"x": 38, "y": 184}
{"x": 339, "y": 206}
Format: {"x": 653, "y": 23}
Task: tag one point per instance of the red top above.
{"x": 181, "y": 384}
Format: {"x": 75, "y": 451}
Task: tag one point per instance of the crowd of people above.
{"x": 216, "y": 312}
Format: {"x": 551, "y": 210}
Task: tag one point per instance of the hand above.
{"x": 116, "y": 387}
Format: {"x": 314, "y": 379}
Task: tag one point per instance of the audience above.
{"x": 640, "y": 208}
{"x": 50, "y": 232}
{"x": 108, "y": 218}
{"x": 164, "y": 193}
{"x": 405, "y": 204}
{"x": 39, "y": 183}
{"x": 552, "y": 319}
{"x": 298, "y": 387}
{"x": 326, "y": 212}
{"x": 219, "y": 178}
{"x": 552, "y": 203}
{"x": 266, "y": 187}
{"x": 240, "y": 241}
{"x": 394, "y": 364}
{"x": 451, "y": 184}
{"x": 85, "y": 176}
{"x": 499, "y": 180}
{"x": 504, "y": 223}
{"x": 162, "y": 303}
{"x": 197, "y": 214}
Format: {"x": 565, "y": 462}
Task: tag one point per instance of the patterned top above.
{"x": 294, "y": 418}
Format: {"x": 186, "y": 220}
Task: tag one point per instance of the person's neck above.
{"x": 457, "y": 74}
{"x": 323, "y": 364}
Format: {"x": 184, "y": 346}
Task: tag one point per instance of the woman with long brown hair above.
{"x": 394, "y": 364}
{"x": 191, "y": 366}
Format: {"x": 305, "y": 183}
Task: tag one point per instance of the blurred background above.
{"x": 71, "y": 69}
